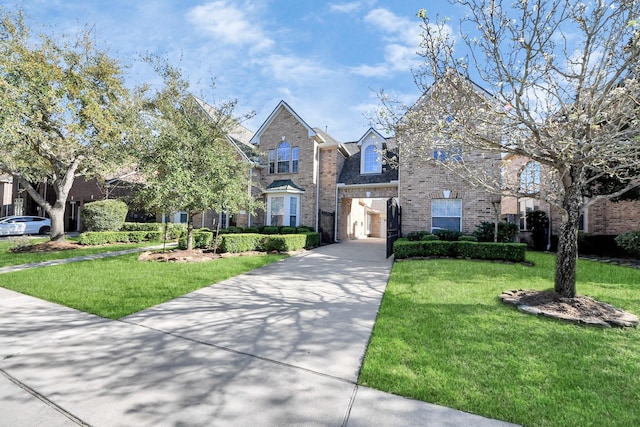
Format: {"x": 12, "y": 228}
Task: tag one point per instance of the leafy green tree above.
{"x": 188, "y": 162}
{"x": 562, "y": 91}
{"x": 64, "y": 112}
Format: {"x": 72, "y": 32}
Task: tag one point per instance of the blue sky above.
{"x": 326, "y": 59}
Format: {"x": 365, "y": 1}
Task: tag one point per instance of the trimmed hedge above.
{"x": 287, "y": 230}
{"x": 235, "y": 243}
{"x": 514, "y": 252}
{"x": 603, "y": 245}
{"x": 243, "y": 242}
{"x": 105, "y": 237}
{"x": 269, "y": 229}
{"x": 285, "y": 242}
{"x": 104, "y": 215}
{"x": 141, "y": 226}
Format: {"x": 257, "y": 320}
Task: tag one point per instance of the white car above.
{"x": 18, "y": 225}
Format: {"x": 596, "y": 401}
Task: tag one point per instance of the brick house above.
{"x": 603, "y": 217}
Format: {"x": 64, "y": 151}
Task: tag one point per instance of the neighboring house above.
{"x": 603, "y": 217}
{"x": 344, "y": 190}
{"x": 6, "y": 195}
{"x": 431, "y": 196}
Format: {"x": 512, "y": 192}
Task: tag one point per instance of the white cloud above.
{"x": 230, "y": 24}
{"x": 402, "y": 38}
{"x": 293, "y": 69}
{"x": 345, "y": 7}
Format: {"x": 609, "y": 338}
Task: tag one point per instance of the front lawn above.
{"x": 119, "y": 286}
{"x": 9, "y": 258}
{"x": 443, "y": 336}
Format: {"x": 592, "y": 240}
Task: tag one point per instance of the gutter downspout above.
{"x": 249, "y": 191}
{"x": 318, "y": 190}
{"x": 335, "y": 219}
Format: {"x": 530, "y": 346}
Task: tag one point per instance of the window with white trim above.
{"x": 370, "y": 157}
{"x": 446, "y": 214}
{"x": 283, "y": 209}
{"x": 284, "y": 159}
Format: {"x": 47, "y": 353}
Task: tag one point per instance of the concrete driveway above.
{"x": 281, "y": 345}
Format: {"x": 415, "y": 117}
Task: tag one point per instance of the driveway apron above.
{"x": 281, "y": 345}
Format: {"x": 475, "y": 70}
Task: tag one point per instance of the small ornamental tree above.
{"x": 65, "y": 112}
{"x": 562, "y": 81}
{"x": 187, "y": 160}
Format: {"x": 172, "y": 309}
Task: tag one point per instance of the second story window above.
{"x": 530, "y": 178}
{"x": 294, "y": 159}
{"x": 371, "y": 160}
{"x": 284, "y": 159}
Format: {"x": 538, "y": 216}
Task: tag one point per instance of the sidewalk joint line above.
{"x": 43, "y": 399}
{"x": 242, "y": 353}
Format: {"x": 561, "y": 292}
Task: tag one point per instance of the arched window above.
{"x": 530, "y": 178}
{"x": 284, "y": 157}
{"x": 371, "y": 162}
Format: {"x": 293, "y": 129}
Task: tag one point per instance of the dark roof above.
{"x": 350, "y": 174}
{"x": 284, "y": 185}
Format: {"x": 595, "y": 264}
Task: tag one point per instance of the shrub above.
{"x": 304, "y": 229}
{"x": 630, "y": 242}
{"x": 312, "y": 239}
{"x": 235, "y": 230}
{"x": 105, "y": 237}
{"x": 514, "y": 252}
{"x": 251, "y": 230}
{"x": 603, "y": 245}
{"x": 104, "y": 215}
{"x": 141, "y": 226}
{"x": 270, "y": 230}
{"x": 467, "y": 239}
{"x": 288, "y": 230}
{"x": 201, "y": 240}
{"x": 285, "y": 242}
{"x": 448, "y": 235}
{"x": 175, "y": 230}
{"x": 241, "y": 242}
{"x": 507, "y": 231}
{"x": 428, "y": 237}
{"x": 538, "y": 224}
{"x": 416, "y": 235}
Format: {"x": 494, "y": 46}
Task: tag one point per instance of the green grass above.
{"x": 119, "y": 286}
{"x": 443, "y": 336}
{"x": 8, "y": 258}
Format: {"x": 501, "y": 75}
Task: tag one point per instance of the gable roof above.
{"x": 281, "y": 105}
{"x": 239, "y": 136}
{"x": 373, "y": 132}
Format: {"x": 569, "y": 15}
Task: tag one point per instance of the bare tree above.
{"x": 563, "y": 93}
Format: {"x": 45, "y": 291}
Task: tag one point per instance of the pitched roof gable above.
{"x": 375, "y": 133}
{"x": 281, "y": 105}
{"x": 238, "y": 137}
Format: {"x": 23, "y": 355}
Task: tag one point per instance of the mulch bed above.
{"x": 581, "y": 309}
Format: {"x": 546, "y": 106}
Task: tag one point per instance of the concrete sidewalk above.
{"x": 281, "y": 345}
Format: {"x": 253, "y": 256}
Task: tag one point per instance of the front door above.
{"x": 393, "y": 224}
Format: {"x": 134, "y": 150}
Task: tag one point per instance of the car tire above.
{"x": 45, "y": 230}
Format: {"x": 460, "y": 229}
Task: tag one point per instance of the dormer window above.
{"x": 371, "y": 159}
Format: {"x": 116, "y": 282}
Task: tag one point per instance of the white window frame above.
{"x": 448, "y": 212}
{"x": 371, "y": 144}
{"x": 286, "y": 213}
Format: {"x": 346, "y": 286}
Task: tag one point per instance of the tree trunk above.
{"x": 190, "y": 236}
{"x": 567, "y": 257}
{"x": 56, "y": 212}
